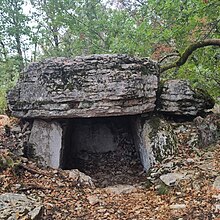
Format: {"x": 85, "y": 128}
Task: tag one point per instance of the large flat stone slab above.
{"x": 90, "y": 86}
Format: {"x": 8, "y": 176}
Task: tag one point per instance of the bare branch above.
{"x": 168, "y": 56}
{"x": 189, "y": 50}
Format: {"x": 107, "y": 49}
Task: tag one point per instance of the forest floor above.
{"x": 122, "y": 191}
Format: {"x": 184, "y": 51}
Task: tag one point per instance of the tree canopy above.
{"x": 169, "y": 31}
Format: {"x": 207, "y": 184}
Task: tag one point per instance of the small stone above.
{"x": 217, "y": 208}
{"x": 16, "y": 129}
{"x": 20, "y": 135}
{"x": 102, "y": 210}
{"x": 154, "y": 175}
{"x": 216, "y": 183}
{"x": 120, "y": 189}
{"x": 104, "y": 183}
{"x": 35, "y": 213}
{"x": 17, "y": 186}
{"x": 129, "y": 172}
{"x": 190, "y": 160}
{"x": 178, "y": 206}
{"x": 157, "y": 187}
{"x": 168, "y": 165}
{"x": 93, "y": 200}
{"x": 81, "y": 178}
{"x": 171, "y": 178}
{"x": 24, "y": 159}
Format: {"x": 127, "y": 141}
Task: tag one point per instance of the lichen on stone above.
{"x": 159, "y": 139}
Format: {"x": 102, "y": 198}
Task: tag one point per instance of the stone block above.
{"x": 46, "y": 138}
{"x": 155, "y": 140}
{"x": 178, "y": 98}
{"x": 90, "y": 86}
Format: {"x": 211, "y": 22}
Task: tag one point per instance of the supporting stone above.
{"x": 46, "y": 138}
{"x": 144, "y": 151}
{"x": 155, "y": 140}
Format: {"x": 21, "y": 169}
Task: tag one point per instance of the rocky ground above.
{"x": 182, "y": 187}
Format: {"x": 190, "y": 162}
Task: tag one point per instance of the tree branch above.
{"x": 168, "y": 56}
{"x": 189, "y": 50}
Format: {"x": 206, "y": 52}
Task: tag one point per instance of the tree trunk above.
{"x": 4, "y": 52}
{"x": 19, "y": 51}
{"x": 55, "y": 37}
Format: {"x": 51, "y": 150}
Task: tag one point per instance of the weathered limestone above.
{"x": 46, "y": 138}
{"x": 90, "y": 86}
{"x": 155, "y": 141}
{"x": 80, "y": 178}
{"x": 208, "y": 129}
{"x": 19, "y": 206}
{"x": 172, "y": 178}
{"x": 178, "y": 98}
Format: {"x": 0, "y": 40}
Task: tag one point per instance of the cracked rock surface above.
{"x": 89, "y": 86}
{"x": 19, "y": 206}
{"x": 178, "y": 98}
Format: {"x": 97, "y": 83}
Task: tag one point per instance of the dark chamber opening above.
{"x": 103, "y": 148}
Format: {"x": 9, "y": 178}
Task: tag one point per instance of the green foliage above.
{"x": 14, "y": 31}
{"x": 202, "y": 70}
{"x": 163, "y": 189}
{"x": 8, "y": 77}
{"x": 180, "y": 23}
{"x": 8, "y": 160}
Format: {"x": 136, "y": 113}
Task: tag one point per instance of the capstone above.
{"x": 90, "y": 86}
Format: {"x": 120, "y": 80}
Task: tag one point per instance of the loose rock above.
{"x": 208, "y": 129}
{"x": 93, "y": 199}
{"x": 216, "y": 183}
{"x": 172, "y": 178}
{"x": 120, "y": 189}
{"x": 80, "y": 178}
{"x": 14, "y": 206}
{"x": 178, "y": 206}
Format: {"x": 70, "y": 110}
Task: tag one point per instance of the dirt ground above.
{"x": 190, "y": 198}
